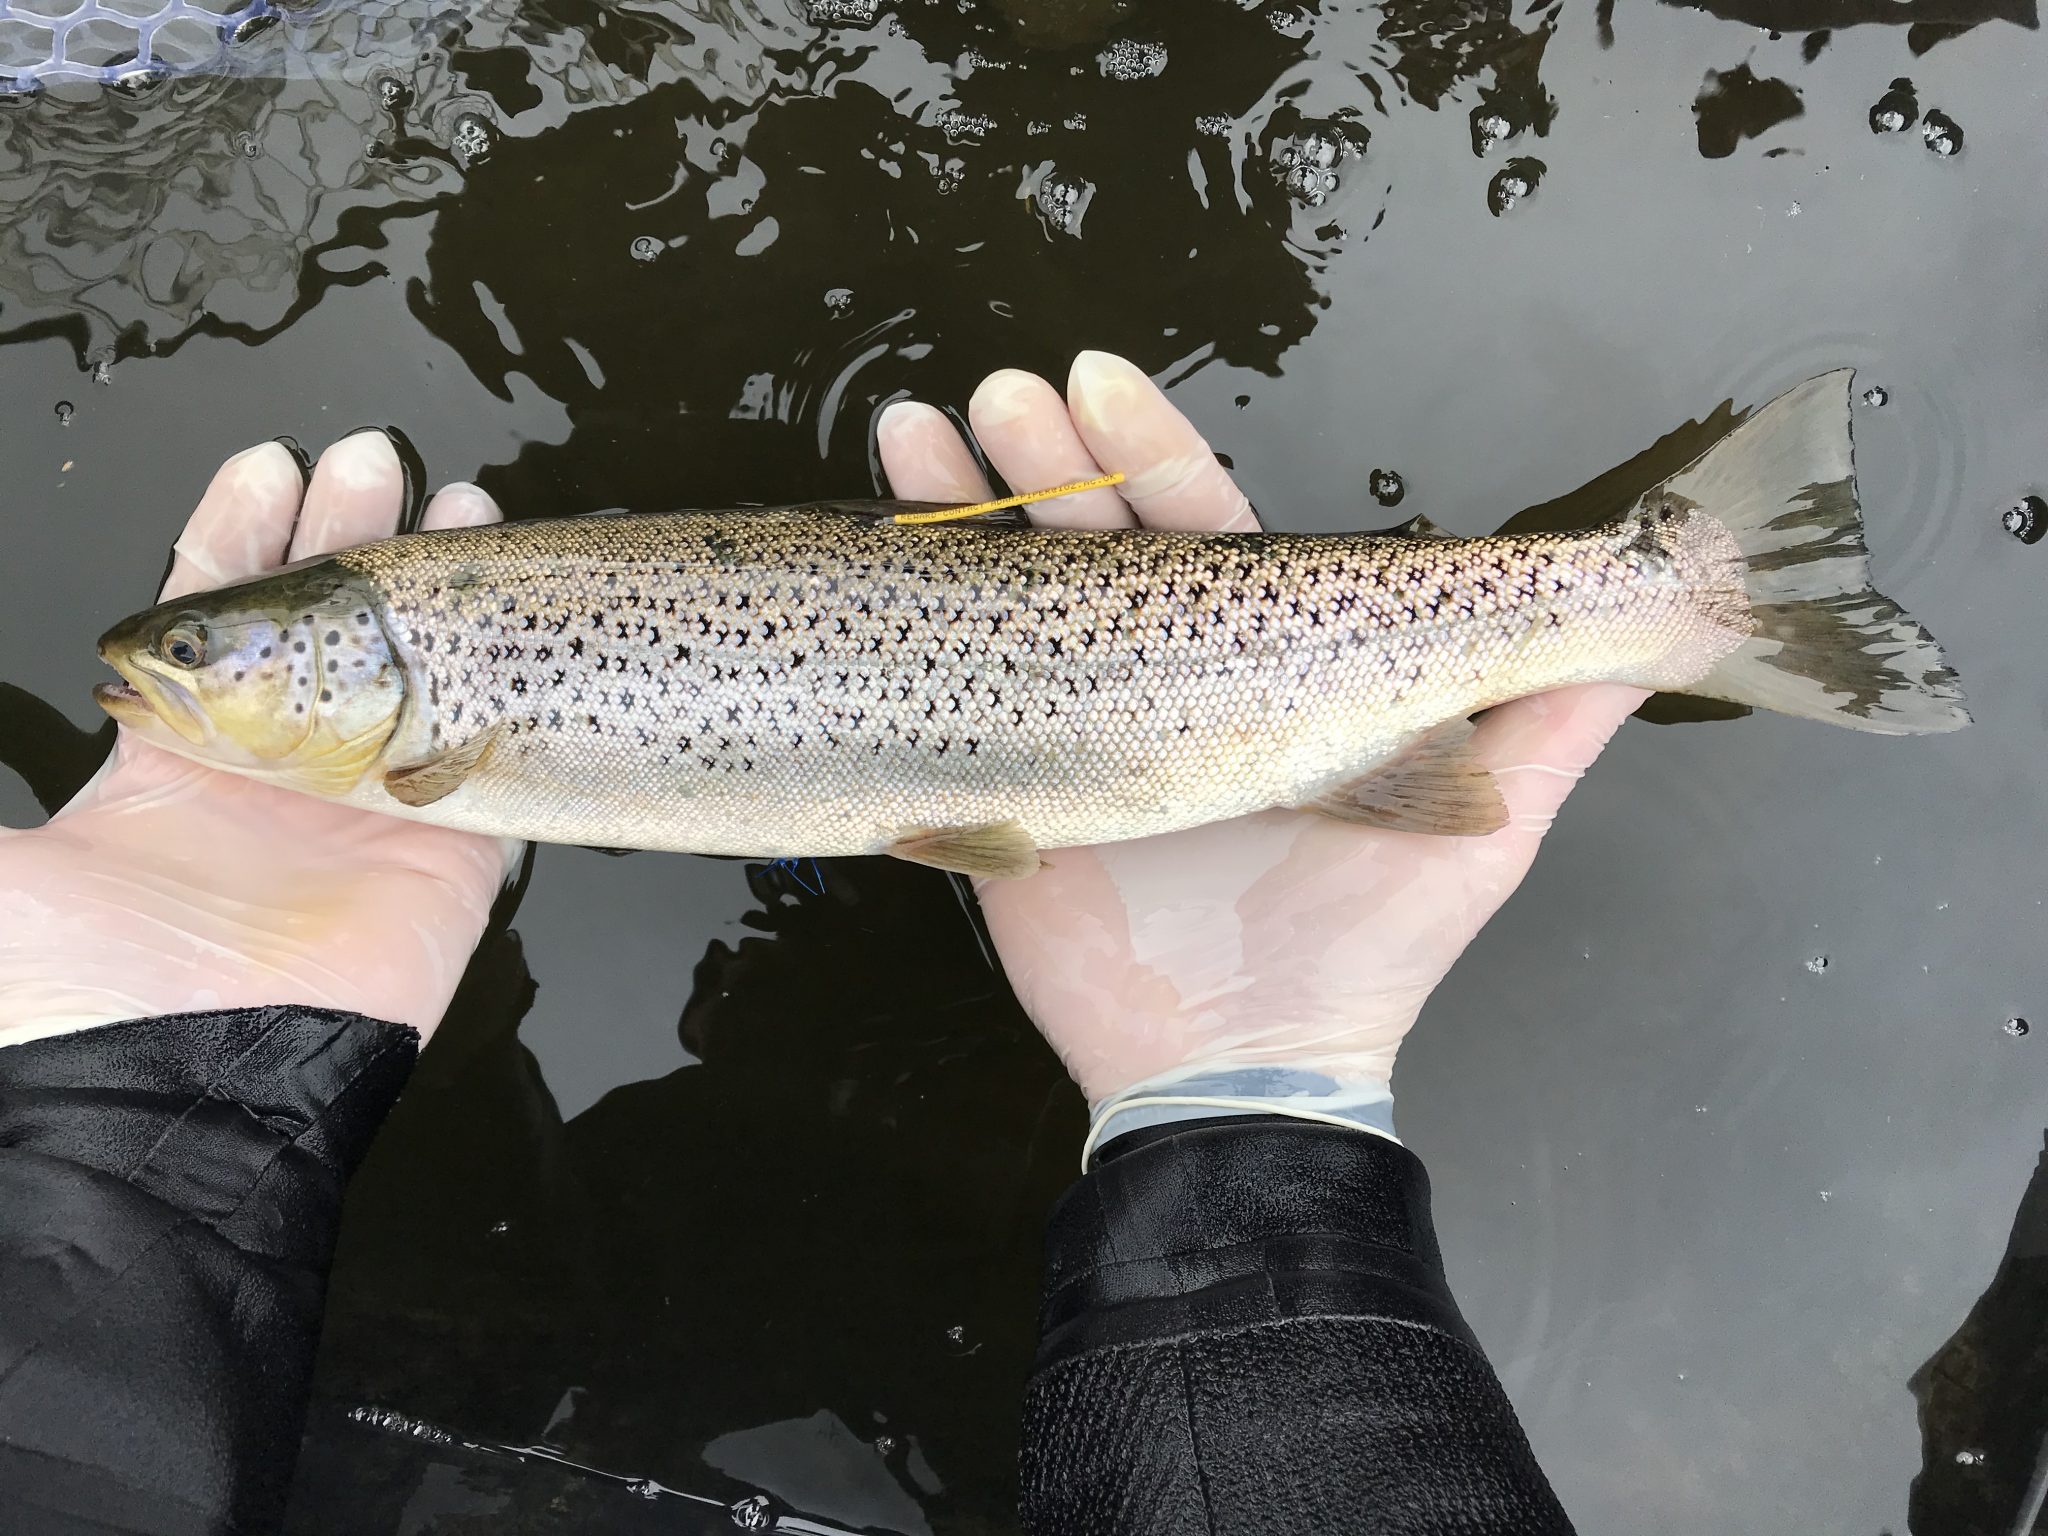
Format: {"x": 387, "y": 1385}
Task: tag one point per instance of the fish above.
{"x": 965, "y": 692}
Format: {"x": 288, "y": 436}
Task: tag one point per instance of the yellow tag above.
{"x": 951, "y": 514}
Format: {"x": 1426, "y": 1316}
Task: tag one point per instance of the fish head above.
{"x": 289, "y": 677}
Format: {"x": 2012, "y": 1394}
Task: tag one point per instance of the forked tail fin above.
{"x": 1826, "y": 644}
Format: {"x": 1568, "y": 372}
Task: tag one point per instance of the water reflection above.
{"x": 1984, "y": 1396}
{"x": 750, "y": 1242}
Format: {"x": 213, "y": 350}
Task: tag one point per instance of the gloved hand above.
{"x": 166, "y": 887}
{"x": 1274, "y": 962}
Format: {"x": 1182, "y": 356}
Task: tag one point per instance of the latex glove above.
{"x": 1276, "y": 961}
{"x": 166, "y": 887}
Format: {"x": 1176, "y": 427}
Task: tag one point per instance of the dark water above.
{"x": 720, "y": 1187}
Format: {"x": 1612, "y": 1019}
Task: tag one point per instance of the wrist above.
{"x": 1307, "y": 1090}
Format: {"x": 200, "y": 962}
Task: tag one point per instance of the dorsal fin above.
{"x": 1419, "y": 527}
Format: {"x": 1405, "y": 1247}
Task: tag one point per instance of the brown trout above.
{"x": 827, "y": 680}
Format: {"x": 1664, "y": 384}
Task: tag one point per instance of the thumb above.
{"x": 1538, "y": 748}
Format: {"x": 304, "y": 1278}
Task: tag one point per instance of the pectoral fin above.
{"x": 1001, "y": 849}
{"x": 1432, "y": 785}
{"x": 439, "y": 776}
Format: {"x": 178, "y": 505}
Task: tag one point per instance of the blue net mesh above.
{"x": 125, "y": 42}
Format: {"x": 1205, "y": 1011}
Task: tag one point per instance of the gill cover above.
{"x": 289, "y": 677}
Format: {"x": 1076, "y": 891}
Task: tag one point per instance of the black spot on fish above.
{"x": 298, "y": 645}
{"x": 333, "y": 637}
{"x": 264, "y": 652}
{"x": 326, "y": 696}
{"x": 335, "y": 666}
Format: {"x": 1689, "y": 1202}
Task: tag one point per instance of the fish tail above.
{"x": 1823, "y": 643}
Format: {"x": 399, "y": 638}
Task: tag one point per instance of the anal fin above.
{"x": 1001, "y": 849}
{"x": 437, "y": 777}
{"x": 1432, "y": 785}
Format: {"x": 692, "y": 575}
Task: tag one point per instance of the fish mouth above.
{"x": 138, "y": 701}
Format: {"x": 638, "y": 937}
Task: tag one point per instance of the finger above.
{"x": 924, "y": 457}
{"x": 1537, "y": 748}
{"x": 1027, "y": 432}
{"x": 357, "y": 494}
{"x": 242, "y": 525}
{"x": 460, "y": 505}
{"x": 1171, "y": 477}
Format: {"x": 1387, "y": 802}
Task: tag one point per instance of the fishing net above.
{"x": 128, "y": 42}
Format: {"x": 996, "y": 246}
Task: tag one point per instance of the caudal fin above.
{"x": 1826, "y": 645}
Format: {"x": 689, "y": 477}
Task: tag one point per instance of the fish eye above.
{"x": 183, "y": 645}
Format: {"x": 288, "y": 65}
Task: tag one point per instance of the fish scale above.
{"x": 815, "y": 681}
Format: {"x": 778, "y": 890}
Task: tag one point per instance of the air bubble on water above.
{"x": 1387, "y": 487}
{"x": 472, "y": 140}
{"x": 885, "y": 1445}
{"x": 1489, "y": 129}
{"x": 393, "y": 94}
{"x": 2017, "y": 1027}
{"x": 1075, "y": 121}
{"x": 962, "y": 127}
{"x": 2027, "y": 519}
{"x": 1061, "y": 199}
{"x": 646, "y": 1487}
{"x": 1216, "y": 125}
{"x": 500, "y": 1228}
{"x": 103, "y": 372}
{"x": 1699, "y": 1109}
{"x": 1827, "y": 1194}
{"x": 1513, "y": 182}
{"x": 645, "y": 248}
{"x": 1307, "y": 163}
{"x": 64, "y": 410}
{"x": 842, "y": 13}
{"x": 957, "y": 1334}
{"x": 1129, "y": 59}
{"x": 1876, "y": 396}
{"x": 839, "y": 300}
{"x": 391, "y": 1420}
{"x": 1970, "y": 1457}
{"x": 1944, "y": 135}
{"x": 1818, "y": 965}
{"x": 246, "y": 145}
{"x": 1793, "y": 211}
{"x": 753, "y": 1513}
{"x": 1897, "y": 109}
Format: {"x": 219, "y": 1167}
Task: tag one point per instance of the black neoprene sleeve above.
{"x": 1246, "y": 1331}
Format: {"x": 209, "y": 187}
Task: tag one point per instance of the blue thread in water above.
{"x": 794, "y": 868}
